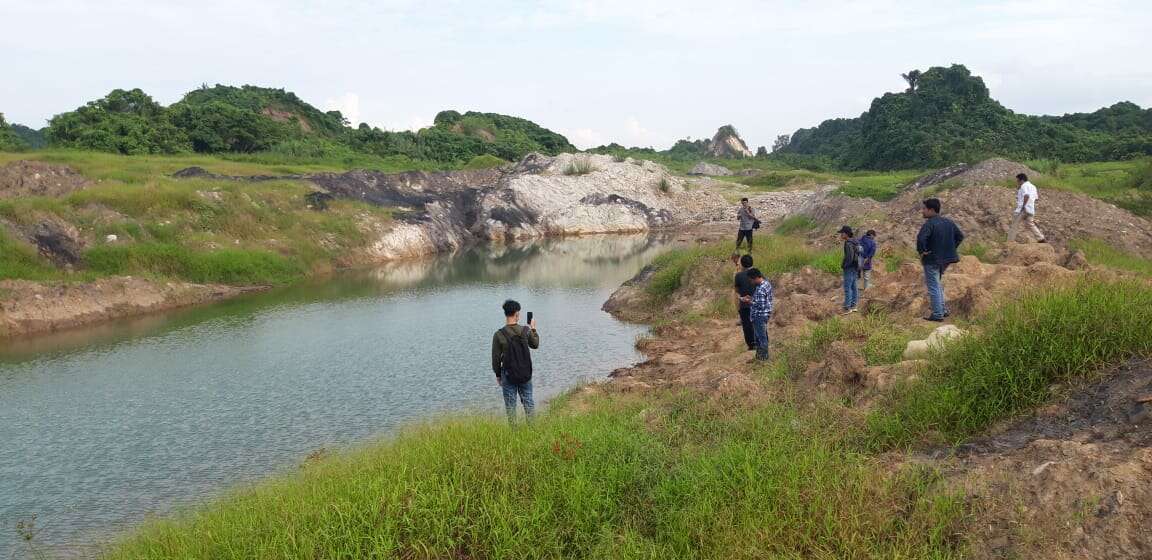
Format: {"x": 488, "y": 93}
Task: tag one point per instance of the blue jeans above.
{"x": 760, "y": 331}
{"x": 851, "y": 295}
{"x": 934, "y": 280}
{"x": 511, "y": 391}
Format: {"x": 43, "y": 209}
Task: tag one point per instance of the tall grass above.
{"x": 1100, "y": 252}
{"x": 798, "y": 223}
{"x": 21, "y": 261}
{"x": 1017, "y": 353}
{"x": 580, "y": 165}
{"x": 226, "y": 266}
{"x": 602, "y": 484}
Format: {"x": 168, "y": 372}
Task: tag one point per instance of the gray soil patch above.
{"x": 37, "y": 178}
{"x": 1108, "y": 410}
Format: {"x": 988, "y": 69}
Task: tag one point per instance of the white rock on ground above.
{"x": 940, "y": 337}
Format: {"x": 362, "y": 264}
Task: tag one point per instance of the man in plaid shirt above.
{"x": 761, "y": 301}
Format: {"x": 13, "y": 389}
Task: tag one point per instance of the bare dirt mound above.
{"x": 31, "y": 308}
{"x": 1073, "y": 480}
{"x": 984, "y": 214}
{"x": 995, "y": 171}
{"x": 37, "y": 178}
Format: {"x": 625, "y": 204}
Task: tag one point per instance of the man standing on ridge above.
{"x": 761, "y": 311}
{"x": 850, "y": 264}
{"x": 1025, "y": 212}
{"x": 512, "y": 360}
{"x": 936, "y": 244}
{"x": 744, "y": 288}
{"x": 748, "y": 222}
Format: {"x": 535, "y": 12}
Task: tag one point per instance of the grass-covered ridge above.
{"x": 1016, "y": 354}
{"x": 187, "y": 229}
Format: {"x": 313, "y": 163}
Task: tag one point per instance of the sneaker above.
{"x": 934, "y": 319}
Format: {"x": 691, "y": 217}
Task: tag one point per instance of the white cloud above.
{"x": 348, "y": 104}
{"x": 636, "y": 135}
{"x": 585, "y": 138}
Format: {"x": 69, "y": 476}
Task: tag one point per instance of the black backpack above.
{"x": 517, "y": 357}
{"x": 856, "y": 253}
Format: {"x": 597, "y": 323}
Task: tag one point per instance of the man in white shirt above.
{"x": 1026, "y": 197}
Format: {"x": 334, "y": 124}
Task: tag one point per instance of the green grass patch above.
{"x": 798, "y": 223}
{"x": 1101, "y": 253}
{"x": 21, "y": 261}
{"x": 484, "y": 161}
{"x": 877, "y": 186}
{"x": 976, "y": 249}
{"x": 829, "y": 261}
{"x": 224, "y": 266}
{"x": 1015, "y": 355}
{"x": 701, "y": 482}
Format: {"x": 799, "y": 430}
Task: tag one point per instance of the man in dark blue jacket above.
{"x": 867, "y": 251}
{"x": 937, "y": 243}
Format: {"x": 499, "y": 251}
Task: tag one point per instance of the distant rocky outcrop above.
{"x": 536, "y": 197}
{"x": 726, "y": 143}
{"x": 705, "y": 168}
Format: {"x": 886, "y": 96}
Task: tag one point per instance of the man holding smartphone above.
{"x": 512, "y": 360}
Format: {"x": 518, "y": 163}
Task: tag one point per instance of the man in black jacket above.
{"x": 936, "y": 244}
{"x": 850, "y": 264}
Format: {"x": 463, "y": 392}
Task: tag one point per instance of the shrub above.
{"x": 665, "y": 184}
{"x": 579, "y": 166}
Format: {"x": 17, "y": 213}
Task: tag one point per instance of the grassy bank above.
{"x": 1018, "y": 352}
{"x": 666, "y": 478}
{"x": 193, "y": 229}
{"x": 669, "y": 474}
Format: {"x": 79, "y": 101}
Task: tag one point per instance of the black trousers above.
{"x": 742, "y": 235}
{"x": 746, "y": 324}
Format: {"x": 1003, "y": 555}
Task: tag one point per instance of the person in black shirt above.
{"x": 744, "y": 287}
{"x": 936, "y": 244}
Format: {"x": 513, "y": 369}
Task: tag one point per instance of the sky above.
{"x": 641, "y": 73}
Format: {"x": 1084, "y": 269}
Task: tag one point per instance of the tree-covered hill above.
{"x": 9, "y": 139}
{"x": 250, "y": 119}
{"x": 947, "y": 115}
{"x": 34, "y": 138}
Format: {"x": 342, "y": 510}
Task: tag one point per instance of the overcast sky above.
{"x": 644, "y": 72}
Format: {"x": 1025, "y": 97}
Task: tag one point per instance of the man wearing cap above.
{"x": 850, "y": 264}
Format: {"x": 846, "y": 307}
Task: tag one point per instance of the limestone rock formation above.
{"x": 705, "y": 168}
{"x": 726, "y": 143}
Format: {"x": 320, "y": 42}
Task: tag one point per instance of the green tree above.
{"x": 124, "y": 121}
{"x": 9, "y": 140}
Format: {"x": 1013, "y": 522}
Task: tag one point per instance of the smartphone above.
{"x": 529, "y": 318}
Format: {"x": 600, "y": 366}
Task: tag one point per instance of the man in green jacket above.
{"x": 512, "y": 360}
